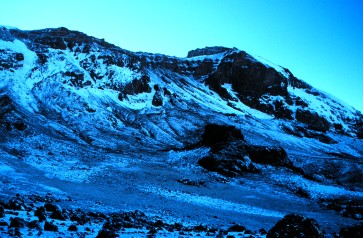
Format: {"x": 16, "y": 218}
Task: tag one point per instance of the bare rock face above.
{"x": 355, "y": 231}
{"x": 10, "y": 60}
{"x": 269, "y": 155}
{"x": 231, "y": 155}
{"x": 215, "y": 134}
{"x": 298, "y": 226}
{"x": 313, "y": 120}
{"x": 138, "y": 86}
{"x": 208, "y": 51}
{"x": 251, "y": 80}
{"x": 230, "y": 160}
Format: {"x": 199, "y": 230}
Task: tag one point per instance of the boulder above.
{"x": 14, "y": 232}
{"x": 236, "y": 228}
{"x": 17, "y": 222}
{"x": 113, "y": 224}
{"x": 50, "y": 227}
{"x": 355, "y": 231}
{"x": 298, "y": 226}
{"x": 216, "y": 134}
{"x": 49, "y": 207}
{"x": 2, "y": 211}
{"x": 34, "y": 225}
{"x": 58, "y": 215}
{"x": 226, "y": 166}
{"x": 157, "y": 99}
{"x": 41, "y": 213}
{"x": 72, "y": 228}
{"x": 16, "y": 203}
{"x": 275, "y": 156}
{"x": 3, "y": 223}
{"x": 104, "y": 233}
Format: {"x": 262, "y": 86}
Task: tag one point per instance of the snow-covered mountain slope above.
{"x": 75, "y": 103}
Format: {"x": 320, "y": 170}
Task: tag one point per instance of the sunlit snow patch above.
{"x": 211, "y": 202}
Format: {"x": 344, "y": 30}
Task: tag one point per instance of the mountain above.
{"x": 218, "y": 137}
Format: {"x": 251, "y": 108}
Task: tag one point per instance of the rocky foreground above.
{"x": 42, "y": 216}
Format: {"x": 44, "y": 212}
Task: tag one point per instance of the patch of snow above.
{"x": 20, "y": 83}
{"x": 210, "y": 202}
{"x": 215, "y": 57}
{"x": 243, "y": 107}
{"x": 325, "y": 106}
{"x": 269, "y": 64}
{"x": 315, "y": 189}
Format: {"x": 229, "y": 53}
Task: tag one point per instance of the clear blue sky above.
{"x": 320, "y": 41}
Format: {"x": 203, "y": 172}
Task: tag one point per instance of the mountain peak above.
{"x": 208, "y": 51}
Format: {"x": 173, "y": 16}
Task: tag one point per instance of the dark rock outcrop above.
{"x": 34, "y": 225}
{"x": 196, "y": 183}
{"x": 10, "y": 60}
{"x": 313, "y": 120}
{"x": 227, "y": 166}
{"x": 2, "y": 211}
{"x": 216, "y": 134}
{"x": 40, "y": 212}
{"x": 18, "y": 222}
{"x": 208, "y": 51}
{"x": 136, "y": 86}
{"x": 49, "y": 207}
{"x": 236, "y": 228}
{"x": 347, "y": 208}
{"x": 231, "y": 155}
{"x": 269, "y": 155}
{"x": 204, "y": 68}
{"x": 50, "y": 227}
{"x": 298, "y": 226}
{"x": 360, "y": 133}
{"x": 355, "y": 231}
{"x": 249, "y": 78}
{"x": 157, "y": 98}
{"x": 58, "y": 215}
{"x": 3, "y": 223}
{"x": 104, "y": 233}
{"x": 16, "y": 203}
{"x": 73, "y": 228}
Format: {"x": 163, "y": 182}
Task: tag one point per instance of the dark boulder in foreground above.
{"x": 50, "y": 227}
{"x": 18, "y": 222}
{"x": 2, "y": 211}
{"x": 355, "y": 231}
{"x": 298, "y": 226}
{"x": 104, "y": 233}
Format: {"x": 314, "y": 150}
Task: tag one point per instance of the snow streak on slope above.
{"x": 20, "y": 81}
{"x": 211, "y": 202}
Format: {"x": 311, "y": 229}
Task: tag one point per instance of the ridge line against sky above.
{"x": 319, "y": 41}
